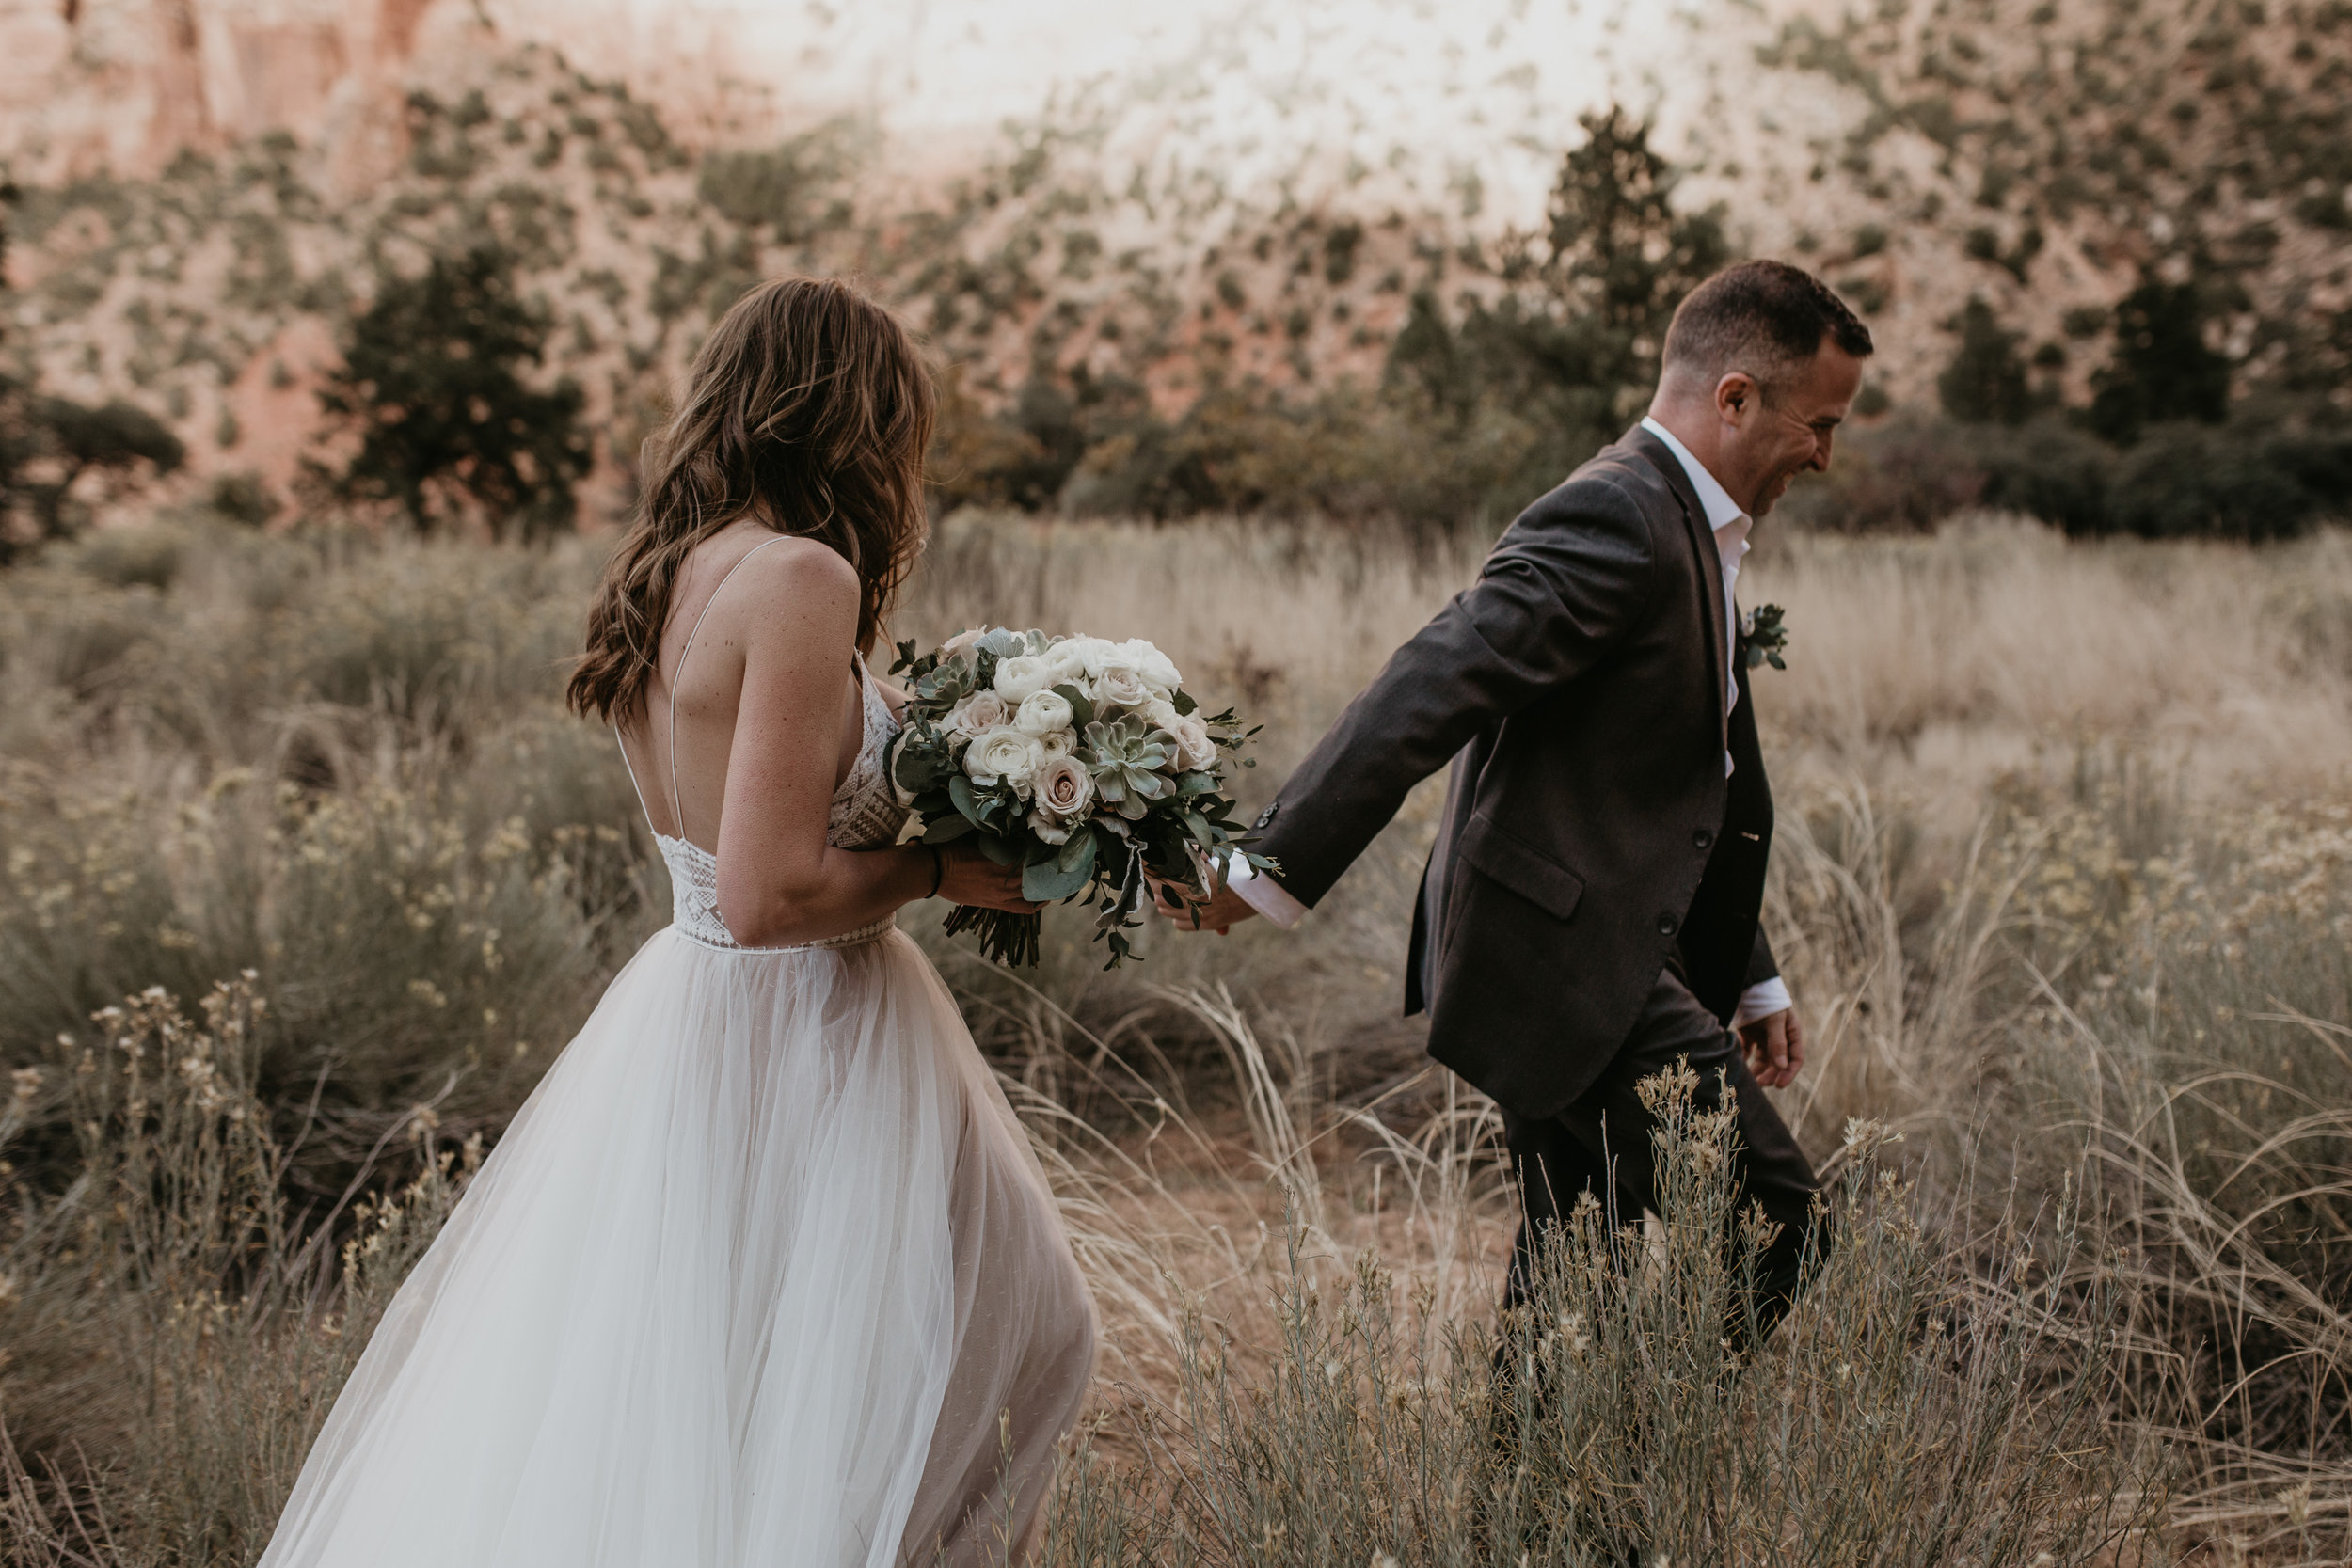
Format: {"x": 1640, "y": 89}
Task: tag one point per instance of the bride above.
{"x": 763, "y": 1273}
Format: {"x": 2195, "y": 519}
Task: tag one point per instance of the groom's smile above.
{"x": 1798, "y": 424}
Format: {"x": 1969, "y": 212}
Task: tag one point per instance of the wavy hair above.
{"x": 809, "y": 408}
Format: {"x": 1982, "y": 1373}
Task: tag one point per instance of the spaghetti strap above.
{"x": 635, "y": 787}
{"x": 677, "y": 809}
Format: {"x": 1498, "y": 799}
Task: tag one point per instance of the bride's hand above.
{"x": 968, "y": 876}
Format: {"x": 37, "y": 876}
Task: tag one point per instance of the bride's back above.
{"x": 680, "y": 738}
{"x": 781, "y": 506}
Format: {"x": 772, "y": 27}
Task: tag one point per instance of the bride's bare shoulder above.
{"x": 794, "y": 589}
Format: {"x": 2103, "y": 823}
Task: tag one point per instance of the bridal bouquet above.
{"x": 1083, "y": 762}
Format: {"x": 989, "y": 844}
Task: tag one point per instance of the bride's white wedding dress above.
{"x": 762, "y": 1273}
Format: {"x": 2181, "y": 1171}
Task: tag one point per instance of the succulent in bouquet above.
{"x": 1083, "y": 761}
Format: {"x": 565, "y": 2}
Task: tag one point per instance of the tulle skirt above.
{"x": 763, "y": 1273}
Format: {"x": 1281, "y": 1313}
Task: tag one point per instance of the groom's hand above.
{"x": 1775, "y": 1048}
{"x": 1223, "y": 909}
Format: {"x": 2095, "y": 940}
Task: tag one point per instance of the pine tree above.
{"x": 432, "y": 382}
{"x": 1985, "y": 382}
{"x": 1568, "y": 354}
{"x": 2162, "y": 367}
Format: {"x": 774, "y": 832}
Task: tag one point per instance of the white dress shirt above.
{"x": 1731, "y": 528}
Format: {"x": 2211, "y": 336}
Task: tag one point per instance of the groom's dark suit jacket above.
{"x": 1590, "y": 833}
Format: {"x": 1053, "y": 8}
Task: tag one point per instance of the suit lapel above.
{"x": 1661, "y": 457}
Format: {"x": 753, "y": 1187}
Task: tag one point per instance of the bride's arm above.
{"x": 779, "y": 881}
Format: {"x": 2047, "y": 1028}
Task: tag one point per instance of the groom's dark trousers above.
{"x": 1589, "y": 914}
{"x": 1600, "y": 1144}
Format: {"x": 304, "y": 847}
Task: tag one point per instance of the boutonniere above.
{"x": 1763, "y": 633}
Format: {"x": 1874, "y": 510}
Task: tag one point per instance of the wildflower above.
{"x": 1866, "y": 1136}
{"x": 25, "y": 1083}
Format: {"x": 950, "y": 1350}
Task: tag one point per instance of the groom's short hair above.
{"x": 1765, "y": 318}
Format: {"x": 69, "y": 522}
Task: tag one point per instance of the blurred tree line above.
{"x": 48, "y": 443}
{"x": 2166, "y": 447}
{"x": 1490, "y": 399}
{"x": 446, "y": 411}
{"x": 1485, "y": 400}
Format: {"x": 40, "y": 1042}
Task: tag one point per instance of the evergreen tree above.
{"x": 1567, "y": 355}
{"x": 2162, "y": 369}
{"x": 1985, "y": 382}
{"x": 432, "y": 382}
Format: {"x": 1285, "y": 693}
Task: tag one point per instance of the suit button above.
{"x": 1702, "y": 838}
{"x": 1666, "y": 925}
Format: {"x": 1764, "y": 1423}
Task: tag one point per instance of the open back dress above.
{"x": 763, "y": 1275}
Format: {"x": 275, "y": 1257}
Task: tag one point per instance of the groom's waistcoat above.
{"x": 1590, "y": 832}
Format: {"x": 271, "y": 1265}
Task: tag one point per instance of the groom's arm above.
{"x": 1572, "y": 575}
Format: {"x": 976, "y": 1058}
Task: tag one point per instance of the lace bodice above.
{"x": 864, "y": 815}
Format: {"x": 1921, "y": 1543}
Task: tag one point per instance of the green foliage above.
{"x": 1985, "y": 382}
{"x": 1480, "y": 407}
{"x": 781, "y": 189}
{"x": 432, "y": 383}
{"x": 2274, "y": 472}
{"x": 2270, "y": 476}
{"x": 2163, "y": 368}
{"x": 1571, "y": 346}
{"x": 47, "y": 444}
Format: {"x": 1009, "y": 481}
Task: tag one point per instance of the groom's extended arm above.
{"x": 1573, "y": 575}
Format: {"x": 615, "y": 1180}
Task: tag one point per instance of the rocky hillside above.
{"x": 1134, "y": 243}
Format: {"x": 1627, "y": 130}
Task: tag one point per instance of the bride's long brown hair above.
{"x": 808, "y": 408}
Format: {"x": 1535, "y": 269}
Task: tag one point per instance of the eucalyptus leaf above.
{"x": 946, "y": 830}
{"x": 961, "y": 793}
{"x": 1048, "y": 883}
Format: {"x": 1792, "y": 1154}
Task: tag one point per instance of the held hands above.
{"x": 968, "y": 876}
{"x": 1221, "y": 912}
{"x": 1774, "y": 1047}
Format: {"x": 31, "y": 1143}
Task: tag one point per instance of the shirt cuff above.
{"x": 1762, "y": 1000}
{"x": 1265, "y": 894}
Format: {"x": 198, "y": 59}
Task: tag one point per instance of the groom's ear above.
{"x": 1736, "y": 396}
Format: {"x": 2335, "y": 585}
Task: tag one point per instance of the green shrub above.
{"x": 432, "y": 383}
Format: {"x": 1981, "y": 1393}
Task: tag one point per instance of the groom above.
{"x": 1589, "y": 916}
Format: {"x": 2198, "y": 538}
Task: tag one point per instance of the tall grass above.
{"x": 2060, "y": 884}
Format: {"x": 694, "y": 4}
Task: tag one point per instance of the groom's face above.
{"x": 1792, "y": 429}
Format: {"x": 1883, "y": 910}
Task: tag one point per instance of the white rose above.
{"x": 962, "y": 640}
{"x": 1160, "y": 712}
{"x": 1091, "y": 652}
{"x": 1022, "y": 676}
{"x": 1058, "y": 743}
{"x": 1003, "y": 753}
{"x": 1041, "y": 713}
{"x": 1195, "y": 747}
{"x": 1122, "y": 685}
{"x": 1065, "y": 789}
{"x": 1067, "y": 659}
{"x": 980, "y": 712}
{"x": 1046, "y": 827}
{"x": 1156, "y": 668}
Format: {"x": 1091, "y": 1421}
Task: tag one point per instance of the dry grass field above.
{"x": 308, "y": 877}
